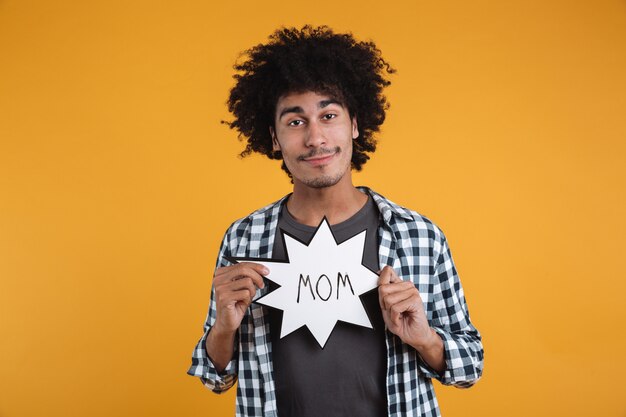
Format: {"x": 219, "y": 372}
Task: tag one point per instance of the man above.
{"x": 314, "y": 99}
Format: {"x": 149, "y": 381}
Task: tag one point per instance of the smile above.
{"x": 320, "y": 158}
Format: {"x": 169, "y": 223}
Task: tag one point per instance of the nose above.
{"x": 315, "y": 135}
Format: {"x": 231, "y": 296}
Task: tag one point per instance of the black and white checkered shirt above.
{"x": 418, "y": 251}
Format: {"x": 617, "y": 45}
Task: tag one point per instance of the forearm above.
{"x": 432, "y": 352}
{"x": 219, "y": 347}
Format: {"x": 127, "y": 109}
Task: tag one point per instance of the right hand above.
{"x": 235, "y": 287}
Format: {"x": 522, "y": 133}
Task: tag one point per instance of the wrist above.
{"x": 218, "y": 332}
{"x": 219, "y": 346}
{"x": 431, "y": 350}
{"x": 428, "y": 342}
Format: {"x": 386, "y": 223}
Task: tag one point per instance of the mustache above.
{"x": 319, "y": 152}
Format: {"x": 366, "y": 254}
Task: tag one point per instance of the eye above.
{"x": 329, "y": 116}
{"x": 296, "y": 122}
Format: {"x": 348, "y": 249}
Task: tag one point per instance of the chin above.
{"x": 322, "y": 182}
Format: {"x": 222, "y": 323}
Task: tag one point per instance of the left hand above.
{"x": 402, "y": 308}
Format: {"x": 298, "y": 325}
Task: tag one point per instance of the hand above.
{"x": 403, "y": 310}
{"x": 235, "y": 287}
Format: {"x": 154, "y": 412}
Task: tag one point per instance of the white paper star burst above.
{"x": 320, "y": 283}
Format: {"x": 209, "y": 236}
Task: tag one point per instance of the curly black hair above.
{"x": 309, "y": 59}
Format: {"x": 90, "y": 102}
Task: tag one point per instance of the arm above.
{"x": 404, "y": 316}
{"x": 234, "y": 288}
{"x": 462, "y": 342}
{"x": 214, "y": 358}
{"x": 449, "y": 346}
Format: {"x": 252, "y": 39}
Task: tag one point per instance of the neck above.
{"x": 338, "y": 203}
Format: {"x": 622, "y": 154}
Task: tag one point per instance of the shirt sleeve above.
{"x": 201, "y": 364}
{"x": 463, "y": 349}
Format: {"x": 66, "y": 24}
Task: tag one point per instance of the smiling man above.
{"x": 318, "y": 131}
{"x": 315, "y": 99}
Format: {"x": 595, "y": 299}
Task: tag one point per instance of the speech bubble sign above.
{"x": 320, "y": 283}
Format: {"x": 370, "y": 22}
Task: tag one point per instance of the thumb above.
{"x": 385, "y": 276}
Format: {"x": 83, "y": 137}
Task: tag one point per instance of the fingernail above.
{"x": 265, "y": 271}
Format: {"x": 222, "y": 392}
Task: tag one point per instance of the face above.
{"x": 314, "y": 133}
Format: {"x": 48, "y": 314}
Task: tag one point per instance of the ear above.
{"x": 275, "y": 144}
{"x": 355, "y": 129}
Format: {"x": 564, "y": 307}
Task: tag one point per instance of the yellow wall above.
{"x": 117, "y": 180}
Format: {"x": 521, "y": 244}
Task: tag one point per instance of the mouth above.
{"x": 321, "y": 157}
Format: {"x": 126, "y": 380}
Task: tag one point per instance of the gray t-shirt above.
{"x": 348, "y": 376}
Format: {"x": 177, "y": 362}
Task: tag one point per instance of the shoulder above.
{"x": 405, "y": 221}
{"x": 261, "y": 218}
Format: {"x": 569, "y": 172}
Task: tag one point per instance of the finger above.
{"x": 384, "y": 285}
{"x": 396, "y": 319}
{"x": 243, "y": 284}
{"x": 408, "y": 305}
{"x": 231, "y": 299}
{"x": 243, "y": 270}
{"x": 399, "y": 310}
{"x": 385, "y": 275}
{"x": 256, "y": 272}
{"x": 396, "y": 287}
{"x": 244, "y": 296}
{"x": 385, "y": 291}
{"x": 224, "y": 270}
{"x": 393, "y": 277}
{"x": 259, "y": 268}
{"x": 396, "y": 297}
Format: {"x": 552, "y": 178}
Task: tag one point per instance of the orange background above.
{"x": 507, "y": 128}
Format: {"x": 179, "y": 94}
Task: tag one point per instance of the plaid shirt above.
{"x": 418, "y": 251}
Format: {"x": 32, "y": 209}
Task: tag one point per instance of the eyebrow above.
{"x": 299, "y": 110}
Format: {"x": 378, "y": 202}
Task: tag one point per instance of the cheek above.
{"x": 287, "y": 149}
{"x": 348, "y": 143}
{"x": 348, "y": 155}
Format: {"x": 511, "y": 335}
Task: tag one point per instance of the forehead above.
{"x": 306, "y": 100}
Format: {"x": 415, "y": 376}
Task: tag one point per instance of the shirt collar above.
{"x": 386, "y": 207}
